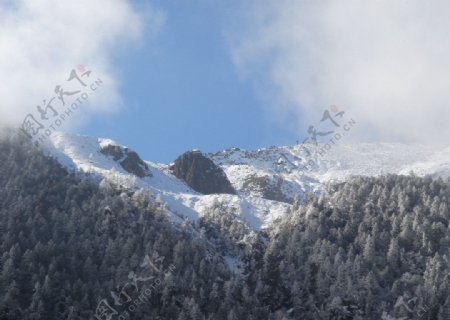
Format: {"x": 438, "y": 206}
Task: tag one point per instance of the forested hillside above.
{"x": 371, "y": 248}
{"x": 367, "y": 249}
{"x": 66, "y": 245}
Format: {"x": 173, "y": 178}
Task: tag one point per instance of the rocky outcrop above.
{"x": 128, "y": 160}
{"x": 267, "y": 187}
{"x": 201, "y": 174}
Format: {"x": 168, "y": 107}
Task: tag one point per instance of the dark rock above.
{"x": 201, "y": 174}
{"x": 134, "y": 164}
{"x": 129, "y": 160}
{"x": 114, "y": 151}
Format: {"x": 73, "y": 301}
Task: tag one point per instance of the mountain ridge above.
{"x": 267, "y": 181}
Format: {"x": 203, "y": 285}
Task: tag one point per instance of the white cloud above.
{"x": 387, "y": 63}
{"x": 41, "y": 41}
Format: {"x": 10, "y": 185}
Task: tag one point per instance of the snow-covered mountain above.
{"x": 266, "y": 181}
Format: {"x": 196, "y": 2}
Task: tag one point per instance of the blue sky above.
{"x": 181, "y": 90}
{"x": 232, "y": 73}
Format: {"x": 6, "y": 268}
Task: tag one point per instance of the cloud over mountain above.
{"x": 41, "y": 41}
{"x": 386, "y": 63}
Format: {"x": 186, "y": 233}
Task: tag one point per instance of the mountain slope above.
{"x": 84, "y": 154}
{"x": 368, "y": 248}
{"x": 71, "y": 249}
{"x": 266, "y": 181}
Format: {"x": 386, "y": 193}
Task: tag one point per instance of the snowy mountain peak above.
{"x": 260, "y": 185}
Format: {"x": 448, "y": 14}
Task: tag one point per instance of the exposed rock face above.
{"x": 129, "y": 160}
{"x": 114, "y": 151}
{"x": 201, "y": 174}
{"x": 268, "y": 187}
